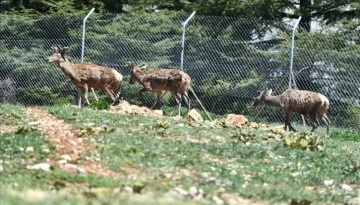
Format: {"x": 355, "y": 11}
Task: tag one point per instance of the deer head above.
{"x": 135, "y": 71}
{"x": 260, "y": 100}
{"x": 59, "y": 54}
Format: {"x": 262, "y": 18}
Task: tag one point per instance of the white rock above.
{"x": 180, "y": 191}
{"x": 73, "y": 166}
{"x": 193, "y": 191}
{"x": 41, "y": 166}
{"x": 1, "y": 168}
{"x": 66, "y": 157}
{"x": 181, "y": 125}
{"x": 63, "y": 161}
{"x": 295, "y": 174}
{"x": 217, "y": 200}
{"x": 233, "y": 172}
{"x": 354, "y": 201}
{"x": 29, "y": 149}
{"x": 127, "y": 189}
{"x": 329, "y": 182}
{"x": 46, "y": 150}
{"x": 80, "y": 170}
{"x": 346, "y": 187}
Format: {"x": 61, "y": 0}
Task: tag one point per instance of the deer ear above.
{"x": 66, "y": 49}
{"x": 143, "y": 66}
{"x": 129, "y": 65}
{"x": 55, "y": 49}
{"x": 268, "y": 92}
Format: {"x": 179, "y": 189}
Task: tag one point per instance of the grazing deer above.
{"x": 313, "y": 104}
{"x": 88, "y": 75}
{"x": 157, "y": 80}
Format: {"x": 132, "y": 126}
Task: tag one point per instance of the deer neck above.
{"x": 139, "y": 76}
{"x": 274, "y": 101}
{"x": 68, "y": 68}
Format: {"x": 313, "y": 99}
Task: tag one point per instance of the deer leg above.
{"x": 288, "y": 123}
{"x": 158, "y": 100}
{"x": 95, "y": 96}
{"x": 86, "y": 93}
{"x": 327, "y": 122}
{"x": 314, "y": 122}
{"x": 78, "y": 96}
{"x": 186, "y": 100}
{"x": 110, "y": 93}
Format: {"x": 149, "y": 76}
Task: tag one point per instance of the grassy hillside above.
{"x": 112, "y": 158}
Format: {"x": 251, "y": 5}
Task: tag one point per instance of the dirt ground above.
{"x": 68, "y": 143}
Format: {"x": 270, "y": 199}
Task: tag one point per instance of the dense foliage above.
{"x": 228, "y": 55}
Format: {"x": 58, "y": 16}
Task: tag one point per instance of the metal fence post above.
{"x": 183, "y": 44}
{"x": 83, "y": 33}
{"x": 83, "y": 46}
{"x": 292, "y": 50}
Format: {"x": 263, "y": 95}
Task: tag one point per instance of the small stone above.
{"x": 72, "y": 166}
{"x": 346, "y": 187}
{"x": 237, "y": 120}
{"x": 127, "y": 189}
{"x": 63, "y": 161}
{"x": 354, "y": 201}
{"x": 329, "y": 182}
{"x": 29, "y": 149}
{"x": 217, "y": 200}
{"x": 195, "y": 116}
{"x": 80, "y": 170}
{"x": 65, "y": 157}
{"x": 193, "y": 191}
{"x": 46, "y": 150}
{"x": 41, "y": 166}
{"x": 158, "y": 112}
{"x": 180, "y": 191}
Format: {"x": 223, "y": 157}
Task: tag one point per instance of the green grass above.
{"x": 159, "y": 154}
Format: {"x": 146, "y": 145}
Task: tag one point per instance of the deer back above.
{"x": 304, "y": 102}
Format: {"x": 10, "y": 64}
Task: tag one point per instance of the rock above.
{"x": 80, "y": 170}
{"x": 329, "y": 182}
{"x": 1, "y": 168}
{"x": 62, "y": 161}
{"x": 346, "y": 187}
{"x": 193, "y": 191}
{"x": 236, "y": 120}
{"x": 65, "y": 157}
{"x": 194, "y": 115}
{"x": 41, "y": 166}
{"x": 253, "y": 124}
{"x": 158, "y": 112}
{"x": 354, "y": 201}
{"x": 178, "y": 192}
{"x": 280, "y": 128}
{"x": 29, "y": 149}
{"x": 127, "y": 189}
{"x": 217, "y": 200}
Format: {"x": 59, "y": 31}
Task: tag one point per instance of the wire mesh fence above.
{"x": 229, "y": 60}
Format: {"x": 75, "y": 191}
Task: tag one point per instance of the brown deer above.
{"x": 313, "y": 104}
{"x": 157, "y": 80}
{"x": 87, "y": 75}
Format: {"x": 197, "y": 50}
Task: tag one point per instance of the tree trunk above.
{"x": 305, "y": 12}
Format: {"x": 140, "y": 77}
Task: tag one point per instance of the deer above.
{"x": 87, "y": 75}
{"x": 307, "y": 103}
{"x": 157, "y": 80}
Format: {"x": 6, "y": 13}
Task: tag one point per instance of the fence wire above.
{"x": 229, "y": 60}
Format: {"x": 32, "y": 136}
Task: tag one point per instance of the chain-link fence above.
{"x": 229, "y": 59}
